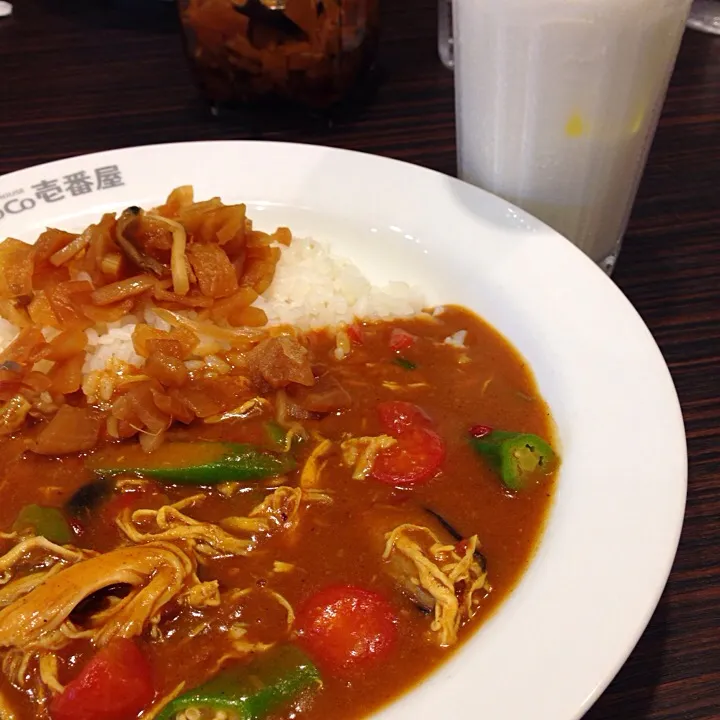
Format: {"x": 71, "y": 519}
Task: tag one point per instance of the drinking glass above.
{"x": 556, "y": 104}
{"x": 705, "y": 15}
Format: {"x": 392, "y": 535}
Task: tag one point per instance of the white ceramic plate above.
{"x": 556, "y": 643}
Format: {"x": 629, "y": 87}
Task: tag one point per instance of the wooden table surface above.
{"x": 82, "y": 76}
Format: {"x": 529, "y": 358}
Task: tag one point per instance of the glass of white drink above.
{"x": 557, "y": 102}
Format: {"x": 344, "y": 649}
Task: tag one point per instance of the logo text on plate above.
{"x": 52, "y": 190}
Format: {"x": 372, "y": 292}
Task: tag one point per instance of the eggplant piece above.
{"x": 98, "y": 602}
{"x": 378, "y": 522}
{"x": 401, "y": 569}
{"x": 422, "y": 559}
{"x": 457, "y": 536}
{"x": 89, "y": 497}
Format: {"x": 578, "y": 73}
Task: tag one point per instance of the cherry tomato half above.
{"x": 399, "y": 416}
{"x": 415, "y": 458}
{"x": 346, "y": 628}
{"x": 116, "y": 684}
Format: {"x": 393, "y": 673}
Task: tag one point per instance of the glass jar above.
{"x": 308, "y": 52}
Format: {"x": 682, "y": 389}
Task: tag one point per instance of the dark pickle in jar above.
{"x": 309, "y": 52}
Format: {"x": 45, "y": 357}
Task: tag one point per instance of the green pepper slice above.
{"x": 252, "y": 691}
{"x": 192, "y": 463}
{"x": 46, "y": 521}
{"x": 278, "y": 436}
{"x": 276, "y": 433}
{"x": 518, "y": 458}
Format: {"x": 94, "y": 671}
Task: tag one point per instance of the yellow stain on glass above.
{"x": 638, "y": 121}
{"x": 575, "y": 126}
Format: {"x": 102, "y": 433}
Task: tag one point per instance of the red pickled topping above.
{"x": 478, "y": 431}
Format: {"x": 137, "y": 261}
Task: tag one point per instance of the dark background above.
{"x": 77, "y": 77}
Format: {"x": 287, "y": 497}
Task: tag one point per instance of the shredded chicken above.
{"x": 233, "y": 536}
{"x": 397, "y": 387}
{"x": 157, "y": 572}
{"x": 169, "y": 523}
{"x": 35, "y": 608}
{"x": 286, "y": 605}
{"x": 253, "y": 407}
{"x": 453, "y": 581}
{"x": 229, "y": 489}
{"x": 280, "y": 599}
{"x": 310, "y": 476}
{"x": 20, "y": 668}
{"x": 48, "y": 668}
{"x": 23, "y": 585}
{"x": 38, "y": 555}
{"x": 361, "y": 452}
{"x": 159, "y": 705}
{"x": 42, "y": 584}
{"x": 295, "y": 432}
{"x": 241, "y": 643}
{"x": 205, "y": 594}
{"x": 279, "y": 511}
{"x": 130, "y": 484}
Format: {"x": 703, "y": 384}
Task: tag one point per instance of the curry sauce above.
{"x": 452, "y": 366}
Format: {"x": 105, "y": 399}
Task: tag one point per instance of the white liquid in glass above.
{"x": 557, "y": 102}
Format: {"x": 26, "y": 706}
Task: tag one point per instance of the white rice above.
{"x": 456, "y": 339}
{"x": 116, "y": 342}
{"x": 312, "y": 288}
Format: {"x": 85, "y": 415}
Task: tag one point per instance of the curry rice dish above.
{"x": 227, "y": 492}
